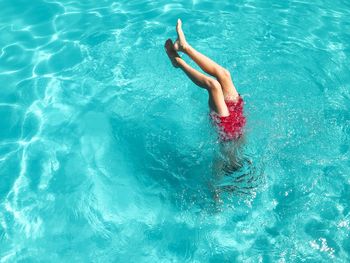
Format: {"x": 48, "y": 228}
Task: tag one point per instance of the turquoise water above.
{"x": 106, "y": 150}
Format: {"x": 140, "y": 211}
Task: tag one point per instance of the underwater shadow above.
{"x": 176, "y": 171}
{"x": 180, "y": 172}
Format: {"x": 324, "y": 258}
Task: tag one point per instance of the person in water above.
{"x": 226, "y": 109}
{"x": 226, "y": 105}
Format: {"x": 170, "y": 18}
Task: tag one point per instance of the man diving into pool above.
{"x": 226, "y": 105}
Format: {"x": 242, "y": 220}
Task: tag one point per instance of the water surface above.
{"x": 106, "y": 150}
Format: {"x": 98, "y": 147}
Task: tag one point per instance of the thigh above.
{"x": 217, "y": 102}
{"x": 228, "y": 88}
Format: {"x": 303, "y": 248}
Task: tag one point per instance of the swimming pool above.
{"x": 106, "y": 150}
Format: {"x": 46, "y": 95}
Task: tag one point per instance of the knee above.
{"x": 213, "y": 84}
{"x": 224, "y": 73}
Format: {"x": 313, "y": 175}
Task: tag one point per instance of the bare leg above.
{"x": 216, "y": 97}
{"x": 206, "y": 64}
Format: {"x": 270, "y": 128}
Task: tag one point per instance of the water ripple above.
{"x": 106, "y": 150}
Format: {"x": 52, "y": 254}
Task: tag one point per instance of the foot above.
{"x": 180, "y": 43}
{"x": 172, "y": 54}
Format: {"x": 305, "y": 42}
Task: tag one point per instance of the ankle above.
{"x": 186, "y": 47}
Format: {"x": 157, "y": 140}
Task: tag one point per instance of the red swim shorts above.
{"x": 230, "y": 127}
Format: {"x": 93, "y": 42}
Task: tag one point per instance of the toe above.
{"x": 179, "y": 22}
{"x": 178, "y": 26}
